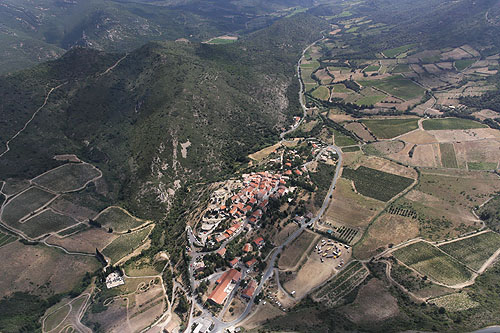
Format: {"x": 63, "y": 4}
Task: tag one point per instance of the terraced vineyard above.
{"x": 406, "y": 212}
{"x": 125, "y": 244}
{"x": 345, "y": 234}
{"x": 474, "y": 251}
{"x": 342, "y": 284}
{"x": 428, "y": 260}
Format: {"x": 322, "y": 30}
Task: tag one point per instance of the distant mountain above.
{"x": 166, "y": 114}
{"x": 31, "y": 32}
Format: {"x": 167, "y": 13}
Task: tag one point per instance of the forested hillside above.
{"x": 167, "y": 113}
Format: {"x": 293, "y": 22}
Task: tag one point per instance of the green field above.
{"x": 6, "y": 239}
{"x": 372, "y": 68}
{"x": 390, "y": 128}
{"x": 401, "y": 68}
{"x": 350, "y": 149}
{"x": 460, "y": 65}
{"x": 482, "y": 165}
{"x": 391, "y": 53}
{"x": 353, "y": 29}
{"x": 310, "y": 65}
{"x": 322, "y": 93}
{"x": 118, "y": 220}
{"x": 55, "y": 318}
{"x": 46, "y": 222}
{"x": 376, "y": 184}
{"x": 448, "y": 157}
{"x": 428, "y": 260}
{"x": 396, "y": 85}
{"x": 73, "y": 230}
{"x": 342, "y": 140}
{"x": 474, "y": 251}
{"x": 345, "y": 281}
{"x": 125, "y": 244}
{"x": 451, "y": 124}
{"x": 69, "y": 177}
{"x": 340, "y": 88}
{"x": 24, "y": 204}
{"x": 370, "y": 100}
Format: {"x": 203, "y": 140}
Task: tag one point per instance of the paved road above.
{"x": 276, "y": 251}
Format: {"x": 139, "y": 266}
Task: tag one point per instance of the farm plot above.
{"x": 118, "y": 219}
{"x": 390, "y": 128}
{"x": 397, "y": 86}
{"x": 392, "y": 53}
{"x": 14, "y": 186}
{"x": 84, "y": 241}
{"x": 448, "y": 157}
{"x": 342, "y": 284}
{"x": 482, "y": 165}
{"x": 343, "y": 140}
{"x": 455, "y": 302}
{"x": 322, "y": 93}
{"x": 451, "y": 124}
{"x": 45, "y": 223}
{"x": 291, "y": 256}
{"x": 24, "y": 204}
{"x": 376, "y": 184}
{"x": 474, "y": 251}
{"x": 360, "y": 131}
{"x": 349, "y": 208}
{"x": 73, "y": 230}
{"x": 430, "y": 261}
{"x": 386, "y": 230}
{"x": 67, "y": 178}
{"x": 34, "y": 266}
{"x": 370, "y": 100}
{"x": 125, "y": 244}
{"x": 6, "y": 239}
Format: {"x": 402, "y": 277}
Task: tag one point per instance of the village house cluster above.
{"x": 243, "y": 203}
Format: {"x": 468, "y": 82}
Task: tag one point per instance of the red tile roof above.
{"x": 250, "y": 289}
{"x": 222, "y": 252}
{"x": 219, "y": 294}
{"x": 247, "y": 247}
{"x": 251, "y": 262}
{"x": 258, "y": 241}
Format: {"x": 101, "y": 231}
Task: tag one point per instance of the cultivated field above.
{"x": 343, "y": 140}
{"x": 84, "y": 241}
{"x": 6, "y": 239}
{"x": 474, "y": 251}
{"x": 24, "y": 204}
{"x": 68, "y": 177}
{"x": 125, "y": 244}
{"x": 45, "y": 223}
{"x": 451, "y": 124}
{"x": 350, "y": 208}
{"x": 342, "y": 284}
{"x": 455, "y": 302}
{"x": 387, "y": 229}
{"x": 390, "y": 128}
{"x": 448, "y": 157}
{"x": 397, "y": 86}
{"x": 430, "y": 261}
{"x": 34, "y": 266}
{"x": 376, "y": 184}
{"x": 118, "y": 219}
{"x": 73, "y": 230}
{"x": 291, "y": 256}
{"x": 360, "y": 131}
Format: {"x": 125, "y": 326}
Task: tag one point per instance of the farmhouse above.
{"x": 225, "y": 284}
{"x": 249, "y": 290}
{"x": 259, "y": 241}
{"x": 114, "y": 280}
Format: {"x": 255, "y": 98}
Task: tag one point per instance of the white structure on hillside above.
{"x": 114, "y": 280}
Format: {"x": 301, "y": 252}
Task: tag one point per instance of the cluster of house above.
{"x": 226, "y": 284}
{"x": 251, "y": 202}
